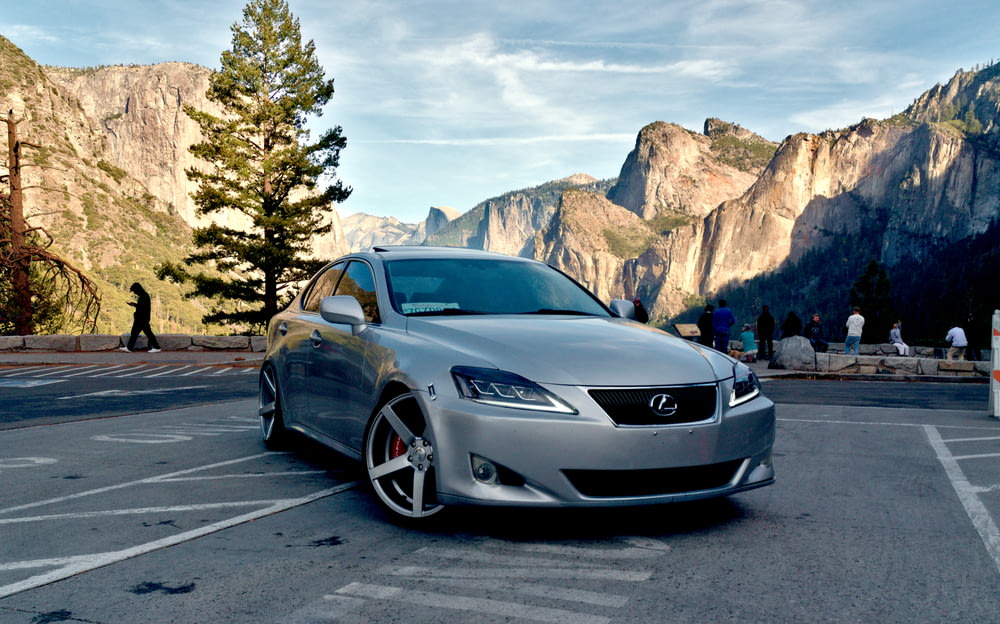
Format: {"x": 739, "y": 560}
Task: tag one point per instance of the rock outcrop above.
{"x": 674, "y": 171}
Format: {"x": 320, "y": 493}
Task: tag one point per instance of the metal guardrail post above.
{"x": 995, "y": 367}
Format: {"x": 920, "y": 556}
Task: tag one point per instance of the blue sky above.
{"x": 448, "y": 103}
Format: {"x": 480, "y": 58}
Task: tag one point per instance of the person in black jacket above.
{"x": 705, "y": 328}
{"x": 140, "y": 319}
{"x": 765, "y": 333}
{"x": 814, "y": 332}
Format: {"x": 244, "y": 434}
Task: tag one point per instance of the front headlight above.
{"x": 496, "y": 387}
{"x": 745, "y": 385}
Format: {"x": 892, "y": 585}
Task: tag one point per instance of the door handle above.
{"x": 283, "y": 328}
{"x": 316, "y": 338}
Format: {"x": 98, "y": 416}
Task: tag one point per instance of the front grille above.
{"x": 631, "y": 406}
{"x": 627, "y": 483}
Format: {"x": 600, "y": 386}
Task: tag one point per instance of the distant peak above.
{"x": 579, "y": 178}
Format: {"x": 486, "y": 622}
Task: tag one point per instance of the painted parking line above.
{"x": 497, "y": 566}
{"x": 66, "y": 567}
{"x": 176, "y": 369}
{"x": 109, "y": 371}
{"x": 29, "y": 370}
{"x": 141, "y": 372}
{"x": 27, "y": 383}
{"x": 974, "y": 508}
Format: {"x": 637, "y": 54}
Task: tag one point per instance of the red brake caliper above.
{"x": 396, "y": 447}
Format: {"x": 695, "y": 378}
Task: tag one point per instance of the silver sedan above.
{"x": 466, "y": 377}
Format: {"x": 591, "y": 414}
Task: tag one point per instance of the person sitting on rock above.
{"x": 814, "y": 332}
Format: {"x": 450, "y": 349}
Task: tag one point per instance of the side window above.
{"x": 321, "y": 287}
{"x": 360, "y": 284}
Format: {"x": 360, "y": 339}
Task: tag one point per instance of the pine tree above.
{"x": 872, "y": 293}
{"x": 260, "y": 164}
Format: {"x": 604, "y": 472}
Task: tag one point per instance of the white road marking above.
{"x": 26, "y": 462}
{"x": 135, "y": 512}
{"x": 71, "y": 566}
{"x": 31, "y": 369}
{"x": 86, "y": 369}
{"x": 27, "y": 383}
{"x": 974, "y": 508}
{"x": 142, "y": 438}
{"x": 173, "y": 370}
{"x": 606, "y": 574}
{"x": 110, "y": 370}
{"x": 143, "y": 371}
{"x": 119, "y": 486}
{"x": 980, "y": 456}
{"x": 476, "y": 605}
{"x": 125, "y": 393}
{"x": 541, "y": 591}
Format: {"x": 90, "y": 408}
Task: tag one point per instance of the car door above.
{"x": 296, "y": 327}
{"x": 339, "y": 390}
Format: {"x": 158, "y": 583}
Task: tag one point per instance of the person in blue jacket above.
{"x": 722, "y": 321}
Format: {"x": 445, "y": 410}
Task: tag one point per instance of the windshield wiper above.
{"x": 446, "y": 312}
{"x": 558, "y": 311}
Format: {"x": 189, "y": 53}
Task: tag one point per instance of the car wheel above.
{"x": 400, "y": 460}
{"x": 272, "y": 425}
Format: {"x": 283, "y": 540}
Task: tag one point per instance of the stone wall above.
{"x": 111, "y": 342}
{"x": 795, "y": 353}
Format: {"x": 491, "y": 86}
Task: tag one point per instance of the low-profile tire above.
{"x": 272, "y": 423}
{"x": 400, "y": 460}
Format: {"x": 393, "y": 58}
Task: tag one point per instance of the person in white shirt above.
{"x": 896, "y": 339}
{"x": 854, "y": 324}
{"x": 956, "y": 336}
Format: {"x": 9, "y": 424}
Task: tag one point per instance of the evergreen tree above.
{"x": 260, "y": 164}
{"x": 872, "y": 293}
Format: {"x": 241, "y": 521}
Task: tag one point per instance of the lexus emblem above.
{"x": 663, "y": 405}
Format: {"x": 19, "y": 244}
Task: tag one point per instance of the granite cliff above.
{"x": 691, "y": 215}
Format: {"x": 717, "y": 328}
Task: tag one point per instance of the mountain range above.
{"x": 691, "y": 217}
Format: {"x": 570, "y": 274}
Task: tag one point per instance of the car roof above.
{"x": 399, "y": 252}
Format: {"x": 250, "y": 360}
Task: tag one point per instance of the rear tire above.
{"x": 400, "y": 460}
{"x": 272, "y": 423}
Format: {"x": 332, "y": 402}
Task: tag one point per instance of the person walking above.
{"x": 956, "y": 336}
{"x": 855, "y": 322}
{"x": 722, "y": 321}
{"x": 896, "y": 339}
{"x": 706, "y": 335}
{"x": 765, "y": 333}
{"x": 140, "y": 319}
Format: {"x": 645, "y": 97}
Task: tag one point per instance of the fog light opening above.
{"x": 484, "y": 470}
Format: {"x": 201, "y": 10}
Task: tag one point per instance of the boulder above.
{"x": 226, "y": 343}
{"x": 843, "y": 363}
{"x": 100, "y": 342}
{"x": 903, "y": 364}
{"x": 140, "y": 342}
{"x": 258, "y": 344}
{"x": 58, "y": 342}
{"x": 11, "y": 343}
{"x": 174, "y": 342}
{"x": 928, "y": 366}
{"x": 794, "y": 353}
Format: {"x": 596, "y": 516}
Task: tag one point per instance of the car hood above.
{"x": 572, "y": 350}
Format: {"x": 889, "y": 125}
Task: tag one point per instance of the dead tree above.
{"x": 21, "y": 245}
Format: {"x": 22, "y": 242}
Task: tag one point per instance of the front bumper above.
{"x": 584, "y": 459}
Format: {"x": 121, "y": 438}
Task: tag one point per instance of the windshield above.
{"x": 450, "y": 286}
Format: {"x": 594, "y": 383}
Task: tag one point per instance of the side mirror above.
{"x": 623, "y": 308}
{"x": 343, "y": 309}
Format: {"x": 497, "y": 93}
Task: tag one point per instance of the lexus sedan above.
{"x": 467, "y": 377}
